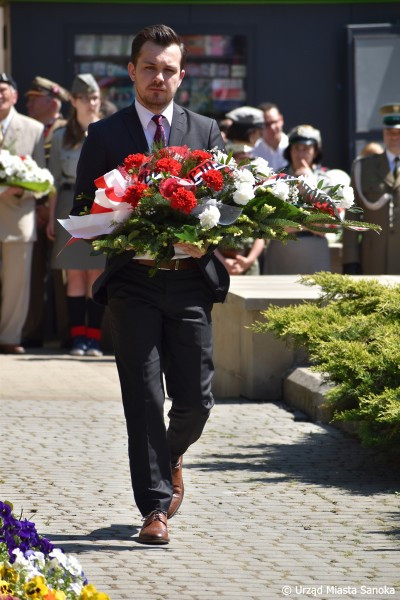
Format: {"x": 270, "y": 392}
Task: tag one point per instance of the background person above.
{"x": 376, "y": 183}
{"x": 20, "y": 135}
{"x": 43, "y": 102}
{"x": 310, "y": 253}
{"x": 160, "y": 324}
{"x": 82, "y": 269}
{"x": 245, "y": 129}
{"x": 274, "y": 141}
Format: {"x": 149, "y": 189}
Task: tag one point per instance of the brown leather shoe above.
{"x": 11, "y": 349}
{"x": 178, "y": 489}
{"x": 154, "y": 529}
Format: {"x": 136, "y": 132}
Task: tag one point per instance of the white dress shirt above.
{"x": 274, "y": 157}
{"x": 149, "y": 127}
{"x": 390, "y": 156}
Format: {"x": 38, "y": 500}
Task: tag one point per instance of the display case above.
{"x": 216, "y": 70}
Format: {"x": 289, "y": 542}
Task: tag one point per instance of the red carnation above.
{"x": 183, "y": 200}
{"x": 168, "y": 165}
{"x": 134, "y": 193}
{"x": 174, "y": 151}
{"x": 324, "y": 207}
{"x": 134, "y": 161}
{"x": 200, "y": 155}
{"x": 172, "y": 184}
{"x": 214, "y": 180}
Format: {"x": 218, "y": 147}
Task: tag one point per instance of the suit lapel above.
{"x": 135, "y": 129}
{"x": 178, "y": 128}
{"x": 397, "y": 180}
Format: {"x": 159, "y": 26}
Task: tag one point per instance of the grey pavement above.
{"x": 274, "y": 506}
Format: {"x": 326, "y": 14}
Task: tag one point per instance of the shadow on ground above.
{"x": 115, "y": 538}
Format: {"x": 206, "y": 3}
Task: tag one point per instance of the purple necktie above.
{"x": 159, "y": 136}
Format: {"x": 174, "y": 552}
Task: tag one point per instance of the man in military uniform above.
{"x": 376, "y": 183}
{"x": 43, "y": 101}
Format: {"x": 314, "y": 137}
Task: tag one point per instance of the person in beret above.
{"x": 376, "y": 183}
{"x": 246, "y": 123}
{"x": 44, "y": 100}
{"x": 81, "y": 268}
{"x": 23, "y": 136}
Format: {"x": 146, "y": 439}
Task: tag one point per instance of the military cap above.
{"x": 391, "y": 115}
{"x": 41, "y": 86}
{"x": 305, "y": 134}
{"x": 4, "y": 78}
{"x": 84, "y": 83}
{"x": 247, "y": 115}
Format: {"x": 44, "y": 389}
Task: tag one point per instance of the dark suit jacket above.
{"x": 108, "y": 142}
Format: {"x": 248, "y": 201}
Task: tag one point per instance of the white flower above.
{"x": 209, "y": 217}
{"x": 221, "y": 157}
{"x": 25, "y": 565}
{"x": 57, "y": 556}
{"x": 309, "y": 180}
{"x": 244, "y": 176}
{"x": 345, "y": 196}
{"x": 73, "y": 565}
{"x": 243, "y": 193}
{"x": 281, "y": 190}
{"x": 259, "y": 166}
{"x": 76, "y": 587}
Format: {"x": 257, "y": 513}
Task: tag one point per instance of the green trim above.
{"x": 244, "y": 2}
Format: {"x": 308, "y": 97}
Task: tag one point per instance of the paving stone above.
{"x": 270, "y": 500}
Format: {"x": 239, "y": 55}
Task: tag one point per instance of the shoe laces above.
{"x": 155, "y": 515}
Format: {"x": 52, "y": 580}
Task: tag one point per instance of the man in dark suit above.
{"x": 161, "y": 324}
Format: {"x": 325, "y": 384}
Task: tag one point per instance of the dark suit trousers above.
{"x": 161, "y": 324}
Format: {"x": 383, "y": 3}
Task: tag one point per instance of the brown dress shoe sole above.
{"x": 153, "y": 541}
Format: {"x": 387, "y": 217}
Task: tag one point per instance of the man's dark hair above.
{"x": 158, "y": 34}
{"x": 266, "y": 106}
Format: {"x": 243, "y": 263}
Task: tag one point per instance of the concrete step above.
{"x": 305, "y": 390}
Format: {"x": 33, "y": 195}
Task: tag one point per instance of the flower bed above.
{"x": 32, "y": 568}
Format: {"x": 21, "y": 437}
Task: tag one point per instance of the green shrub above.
{"x": 352, "y": 334}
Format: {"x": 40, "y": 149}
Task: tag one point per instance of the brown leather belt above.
{"x": 169, "y": 265}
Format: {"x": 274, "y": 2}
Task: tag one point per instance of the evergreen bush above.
{"x": 352, "y": 334}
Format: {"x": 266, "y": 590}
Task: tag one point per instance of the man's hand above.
{"x": 42, "y": 216}
{"x": 15, "y": 191}
{"x": 190, "y": 249}
{"x": 50, "y": 229}
{"x": 242, "y": 264}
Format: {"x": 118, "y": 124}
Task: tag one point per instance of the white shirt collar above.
{"x": 145, "y": 115}
{"x": 390, "y": 156}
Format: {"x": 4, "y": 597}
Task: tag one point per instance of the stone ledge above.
{"x": 305, "y": 390}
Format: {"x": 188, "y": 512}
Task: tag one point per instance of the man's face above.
{"x": 273, "y": 125}
{"x": 8, "y": 97}
{"x": 40, "y": 108}
{"x": 157, "y": 75}
{"x": 391, "y": 138}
